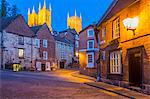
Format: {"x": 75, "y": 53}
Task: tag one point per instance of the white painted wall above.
{"x": 65, "y": 48}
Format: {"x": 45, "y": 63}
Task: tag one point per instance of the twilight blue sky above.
{"x": 91, "y": 10}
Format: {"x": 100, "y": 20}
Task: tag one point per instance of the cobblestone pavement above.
{"x": 49, "y": 85}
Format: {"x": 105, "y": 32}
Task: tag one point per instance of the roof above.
{"x": 35, "y": 29}
{"x": 115, "y": 7}
{"x": 64, "y": 40}
{"x": 5, "y": 21}
{"x": 15, "y": 25}
{"x": 86, "y": 28}
{"x": 73, "y": 31}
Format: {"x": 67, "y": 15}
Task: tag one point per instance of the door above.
{"x": 43, "y": 67}
{"x": 135, "y": 67}
{"x": 62, "y": 64}
{"x": 38, "y": 66}
{"x": 48, "y": 66}
{"x": 90, "y": 60}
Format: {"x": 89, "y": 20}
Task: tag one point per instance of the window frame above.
{"x": 115, "y": 62}
{"x": 92, "y": 54}
{"x": 45, "y": 57}
{"x": 21, "y": 40}
{"x": 37, "y": 44}
{"x": 88, "y": 44}
{"x": 114, "y": 25}
{"x": 45, "y": 41}
{"x": 23, "y": 55}
{"x": 89, "y": 33}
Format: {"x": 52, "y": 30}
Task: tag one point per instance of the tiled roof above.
{"x": 15, "y": 25}
{"x": 115, "y": 7}
{"x": 85, "y": 28}
{"x": 5, "y": 21}
{"x": 64, "y": 40}
{"x": 73, "y": 31}
{"x": 36, "y": 28}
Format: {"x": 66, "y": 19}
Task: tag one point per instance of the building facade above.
{"x": 74, "y": 22}
{"x": 125, "y": 39}
{"x": 88, "y": 51}
{"x": 45, "y": 42}
{"x": 43, "y": 16}
{"x": 64, "y": 52}
{"x": 16, "y": 43}
{"x": 73, "y": 37}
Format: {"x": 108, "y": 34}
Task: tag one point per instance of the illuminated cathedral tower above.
{"x": 43, "y": 16}
{"x": 75, "y": 22}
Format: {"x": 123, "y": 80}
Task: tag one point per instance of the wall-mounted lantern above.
{"x": 131, "y": 23}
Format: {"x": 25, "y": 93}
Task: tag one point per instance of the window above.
{"x": 115, "y": 62}
{"x": 37, "y": 43}
{"x": 104, "y": 32}
{"x": 45, "y": 43}
{"x": 21, "y": 40}
{"x": 116, "y": 28}
{"x": 90, "y": 58}
{"x": 90, "y": 44}
{"x": 45, "y": 55}
{"x": 21, "y": 53}
{"x": 90, "y": 33}
{"x": 77, "y": 44}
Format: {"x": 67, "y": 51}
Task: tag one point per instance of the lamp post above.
{"x": 131, "y": 23}
{"x": 96, "y": 31}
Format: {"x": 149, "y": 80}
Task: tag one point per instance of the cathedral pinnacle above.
{"x": 28, "y": 11}
{"x": 50, "y": 8}
{"x": 45, "y": 3}
{"x": 33, "y": 10}
{"x": 39, "y": 6}
{"x": 75, "y": 12}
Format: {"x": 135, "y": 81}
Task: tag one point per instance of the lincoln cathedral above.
{"x": 43, "y": 16}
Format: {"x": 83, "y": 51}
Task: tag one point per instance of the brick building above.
{"x": 88, "y": 51}
{"x": 127, "y": 49}
{"x": 45, "y": 42}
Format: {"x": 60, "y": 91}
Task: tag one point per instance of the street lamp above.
{"x": 98, "y": 60}
{"x": 131, "y": 23}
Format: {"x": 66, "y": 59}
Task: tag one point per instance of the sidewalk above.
{"x": 111, "y": 88}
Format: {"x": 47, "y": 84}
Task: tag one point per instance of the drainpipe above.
{"x": 99, "y": 58}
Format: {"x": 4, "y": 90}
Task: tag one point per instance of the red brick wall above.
{"x": 44, "y": 33}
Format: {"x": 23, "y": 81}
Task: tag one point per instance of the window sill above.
{"x": 121, "y": 74}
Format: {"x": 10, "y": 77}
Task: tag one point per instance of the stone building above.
{"x": 125, "y": 38}
{"x": 64, "y": 51}
{"x": 45, "y": 42}
{"x": 88, "y": 51}
{"x": 16, "y": 43}
{"x": 74, "y": 22}
{"x": 43, "y": 16}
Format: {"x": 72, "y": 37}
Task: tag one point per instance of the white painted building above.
{"x": 64, "y": 52}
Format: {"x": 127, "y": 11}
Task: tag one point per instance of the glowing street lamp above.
{"x": 131, "y": 23}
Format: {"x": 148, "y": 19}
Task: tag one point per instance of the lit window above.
{"x": 21, "y": 53}
{"x": 45, "y": 43}
{"x": 45, "y": 55}
{"x": 90, "y": 33}
{"x": 116, "y": 28}
{"x": 21, "y": 40}
{"x": 115, "y": 62}
{"x": 37, "y": 43}
{"x": 90, "y": 44}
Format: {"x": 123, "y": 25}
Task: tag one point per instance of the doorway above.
{"x": 43, "y": 67}
{"x": 62, "y": 64}
{"x": 135, "y": 66}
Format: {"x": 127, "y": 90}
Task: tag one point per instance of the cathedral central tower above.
{"x": 43, "y": 16}
{"x": 74, "y": 22}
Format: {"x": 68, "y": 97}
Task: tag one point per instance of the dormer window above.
{"x": 90, "y": 33}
